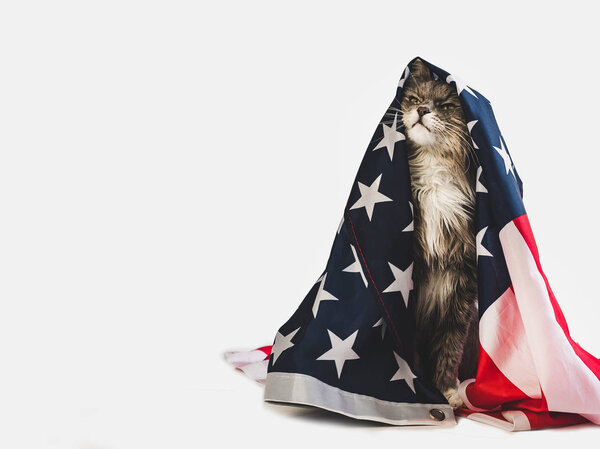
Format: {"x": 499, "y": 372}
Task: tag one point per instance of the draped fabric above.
{"x": 348, "y": 346}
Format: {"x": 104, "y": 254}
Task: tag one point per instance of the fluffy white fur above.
{"x": 444, "y": 204}
{"x": 442, "y": 180}
{"x": 443, "y": 198}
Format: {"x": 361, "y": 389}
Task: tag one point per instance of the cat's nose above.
{"x": 422, "y": 110}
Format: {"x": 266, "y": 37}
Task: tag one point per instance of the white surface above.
{"x": 172, "y": 176}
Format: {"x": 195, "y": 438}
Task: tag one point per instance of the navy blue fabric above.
{"x": 379, "y": 242}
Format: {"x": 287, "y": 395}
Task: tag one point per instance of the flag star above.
{"x": 404, "y": 77}
{"x": 402, "y": 282}
{"x": 356, "y": 267}
{"x": 404, "y": 372}
{"x": 369, "y": 196}
{"x": 411, "y": 225}
{"x": 322, "y": 295}
{"x": 390, "y": 136}
{"x": 482, "y": 250}
{"x": 282, "y": 342}
{"x": 460, "y": 84}
{"x": 505, "y": 157}
{"x": 479, "y": 187}
{"x": 383, "y": 325}
{"x": 341, "y": 351}
{"x": 470, "y": 125}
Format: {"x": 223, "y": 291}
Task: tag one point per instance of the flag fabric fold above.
{"x": 348, "y": 346}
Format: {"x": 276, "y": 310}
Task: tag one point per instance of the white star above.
{"x": 505, "y": 157}
{"x": 479, "y": 187}
{"x": 404, "y": 77}
{"x": 482, "y": 250}
{"x": 341, "y": 350}
{"x": 460, "y": 84}
{"x": 356, "y": 267}
{"x": 390, "y": 136}
{"x": 411, "y": 225}
{"x": 470, "y": 125}
{"x": 383, "y": 325}
{"x": 402, "y": 282}
{"x": 322, "y": 295}
{"x": 282, "y": 342}
{"x": 369, "y": 196}
{"x": 404, "y": 372}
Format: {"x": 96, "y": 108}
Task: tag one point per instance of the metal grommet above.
{"x": 437, "y": 414}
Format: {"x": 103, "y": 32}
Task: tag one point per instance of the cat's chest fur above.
{"x": 444, "y": 203}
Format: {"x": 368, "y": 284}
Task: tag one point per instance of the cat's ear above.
{"x": 420, "y": 72}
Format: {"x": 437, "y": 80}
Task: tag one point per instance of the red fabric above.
{"x": 492, "y": 393}
{"x": 593, "y": 363}
{"x": 266, "y": 350}
{"x": 492, "y": 388}
{"x": 493, "y": 398}
{"x": 537, "y": 420}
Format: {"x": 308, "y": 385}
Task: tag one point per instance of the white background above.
{"x": 172, "y": 175}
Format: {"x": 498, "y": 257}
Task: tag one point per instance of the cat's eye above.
{"x": 447, "y": 106}
{"x": 414, "y": 100}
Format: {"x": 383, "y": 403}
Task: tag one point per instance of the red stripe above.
{"x": 522, "y": 224}
{"x": 266, "y": 350}
{"x": 537, "y": 420}
{"x": 491, "y": 388}
{"x": 552, "y": 419}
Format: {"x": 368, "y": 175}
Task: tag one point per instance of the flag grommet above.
{"x": 437, "y": 414}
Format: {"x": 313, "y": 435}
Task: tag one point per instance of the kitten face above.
{"x": 431, "y": 111}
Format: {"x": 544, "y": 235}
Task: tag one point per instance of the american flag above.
{"x": 347, "y": 348}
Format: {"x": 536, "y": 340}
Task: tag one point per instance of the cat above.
{"x": 442, "y": 165}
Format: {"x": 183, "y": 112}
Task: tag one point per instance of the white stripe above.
{"x": 595, "y": 418}
{"x": 502, "y": 336}
{"x": 241, "y": 358}
{"x": 568, "y": 384}
{"x": 515, "y": 420}
{"x": 256, "y": 371}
